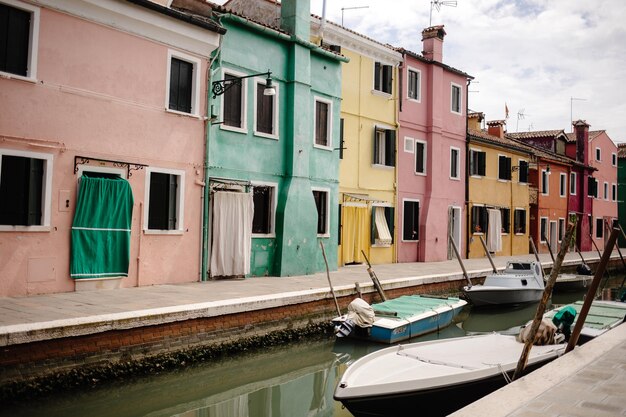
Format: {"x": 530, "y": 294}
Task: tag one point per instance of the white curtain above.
{"x": 494, "y": 234}
{"x": 232, "y": 233}
{"x": 384, "y": 236}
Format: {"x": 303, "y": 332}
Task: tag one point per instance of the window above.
{"x": 477, "y": 162}
{"x": 572, "y": 183}
{"x": 322, "y": 204}
{"x": 420, "y": 157}
{"x": 519, "y": 221}
{"x": 614, "y": 159}
{"x": 164, "y": 189}
{"x": 614, "y": 192}
{"x": 19, "y": 33}
{"x": 341, "y": 138}
{"x": 598, "y": 154}
{"x": 506, "y": 220}
{"x": 606, "y": 190}
{"x": 480, "y": 219}
{"x": 414, "y": 84}
{"x": 592, "y": 185}
{"x": 561, "y": 229}
{"x": 545, "y": 182}
{"x": 263, "y": 197}
{"x": 382, "y": 226}
{"x": 183, "y": 83}
{"x": 384, "y": 147}
{"x": 410, "y": 220}
{"x": 25, "y": 189}
{"x": 504, "y": 167}
{"x": 454, "y": 163}
{"x": 266, "y": 114}
{"x": 455, "y": 99}
{"x": 522, "y": 174}
{"x": 383, "y": 77}
{"x": 563, "y": 184}
{"x": 590, "y": 224}
{"x": 233, "y": 103}
{"x": 409, "y": 145}
{"x": 543, "y": 230}
{"x": 323, "y": 111}
{"x": 599, "y": 227}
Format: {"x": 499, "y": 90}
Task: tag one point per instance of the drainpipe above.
{"x": 467, "y": 162}
{"x": 205, "y": 189}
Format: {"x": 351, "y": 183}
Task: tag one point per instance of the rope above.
{"x": 504, "y": 374}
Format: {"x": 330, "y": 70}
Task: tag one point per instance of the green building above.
{"x": 621, "y": 189}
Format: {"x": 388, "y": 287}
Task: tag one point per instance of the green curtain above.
{"x": 101, "y": 228}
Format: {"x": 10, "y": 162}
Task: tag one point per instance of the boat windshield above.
{"x": 518, "y": 266}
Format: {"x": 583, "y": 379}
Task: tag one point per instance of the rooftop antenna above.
{"x": 571, "y": 106}
{"x": 351, "y": 8}
{"x": 437, "y": 5}
{"x": 520, "y": 116}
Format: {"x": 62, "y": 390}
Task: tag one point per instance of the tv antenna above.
{"x": 351, "y": 8}
{"x": 520, "y": 116}
{"x": 437, "y": 5}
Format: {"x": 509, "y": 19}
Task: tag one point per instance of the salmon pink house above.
{"x": 431, "y": 153}
{"x": 101, "y": 144}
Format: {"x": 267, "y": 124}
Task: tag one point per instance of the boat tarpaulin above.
{"x": 101, "y": 228}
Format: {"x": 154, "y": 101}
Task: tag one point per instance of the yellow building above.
{"x": 367, "y": 166}
{"x": 498, "y": 191}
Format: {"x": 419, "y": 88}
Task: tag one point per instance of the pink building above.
{"x": 114, "y": 91}
{"x": 601, "y": 154}
{"x": 431, "y": 153}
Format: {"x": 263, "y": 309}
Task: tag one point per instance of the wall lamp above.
{"x": 221, "y": 86}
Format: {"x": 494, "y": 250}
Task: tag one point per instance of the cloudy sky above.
{"x": 547, "y": 60}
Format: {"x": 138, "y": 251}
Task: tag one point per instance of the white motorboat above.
{"x": 520, "y": 282}
{"x": 435, "y": 377}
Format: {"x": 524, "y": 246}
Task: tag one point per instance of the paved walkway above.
{"x": 44, "y": 317}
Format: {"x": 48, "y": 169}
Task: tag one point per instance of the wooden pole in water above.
{"x": 591, "y": 292}
{"x": 493, "y": 266}
{"x": 547, "y": 292}
{"x": 374, "y": 278}
{"x": 456, "y": 252}
{"x": 549, "y": 248}
{"x": 330, "y": 284}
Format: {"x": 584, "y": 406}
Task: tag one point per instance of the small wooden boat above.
{"x": 434, "y": 378}
{"x": 401, "y": 318}
{"x": 602, "y": 317}
{"x": 520, "y": 282}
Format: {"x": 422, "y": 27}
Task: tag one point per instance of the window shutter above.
{"x": 387, "y": 78}
{"x": 508, "y": 168}
{"x": 481, "y": 163}
{"x": 390, "y": 148}
{"x": 377, "y": 80}
{"x": 35, "y": 179}
{"x": 375, "y": 156}
{"x": 523, "y": 171}
{"x": 389, "y": 214}
{"x": 171, "y": 202}
{"x": 373, "y": 226}
{"x": 341, "y": 139}
{"x": 232, "y": 103}
{"x": 265, "y": 111}
{"x": 14, "y": 40}
{"x": 419, "y": 157}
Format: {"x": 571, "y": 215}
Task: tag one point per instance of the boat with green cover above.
{"x": 602, "y": 317}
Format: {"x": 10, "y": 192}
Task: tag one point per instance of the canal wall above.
{"x": 109, "y": 345}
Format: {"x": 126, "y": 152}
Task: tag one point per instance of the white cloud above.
{"x": 535, "y": 55}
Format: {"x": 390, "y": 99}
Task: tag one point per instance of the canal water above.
{"x": 288, "y": 381}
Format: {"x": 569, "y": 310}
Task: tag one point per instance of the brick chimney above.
{"x": 496, "y": 128}
{"x": 581, "y": 128}
{"x": 432, "y": 39}
{"x": 474, "y": 120}
{"x": 295, "y": 17}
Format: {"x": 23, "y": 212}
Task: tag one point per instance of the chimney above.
{"x": 432, "y": 39}
{"x": 581, "y": 128}
{"x": 496, "y": 128}
{"x": 295, "y": 18}
{"x": 474, "y": 120}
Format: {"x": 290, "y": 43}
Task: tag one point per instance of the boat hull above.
{"x": 430, "y": 402}
{"x": 572, "y": 282}
{"x": 486, "y": 296}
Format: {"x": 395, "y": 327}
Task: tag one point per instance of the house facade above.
{"x": 431, "y": 153}
{"x": 123, "y": 114}
{"x": 273, "y": 165}
{"x": 498, "y": 188}
{"x": 621, "y": 189}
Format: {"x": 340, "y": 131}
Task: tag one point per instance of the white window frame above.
{"x": 274, "y": 202}
{"x": 547, "y": 231}
{"x": 381, "y": 92}
{"x": 195, "y": 84}
{"x": 329, "y": 126}
{"x": 382, "y": 204}
{"x": 598, "y": 154}
{"x": 419, "y": 85}
{"x": 327, "y": 191}
{"x": 546, "y": 191}
{"x": 180, "y": 202}
{"x": 419, "y": 205}
{"x": 613, "y": 159}
{"x": 458, "y": 163}
{"x": 606, "y": 191}
{"x": 46, "y": 190}
{"x": 244, "y": 103}
{"x": 424, "y": 156}
{"x": 262, "y": 81}
{"x": 452, "y": 86}
{"x": 572, "y": 183}
{"x": 33, "y": 41}
{"x": 409, "y": 144}
{"x": 563, "y": 184}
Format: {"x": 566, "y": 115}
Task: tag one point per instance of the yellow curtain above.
{"x": 355, "y": 232}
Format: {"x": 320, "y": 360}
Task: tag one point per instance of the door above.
{"x": 554, "y": 237}
{"x": 454, "y": 229}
